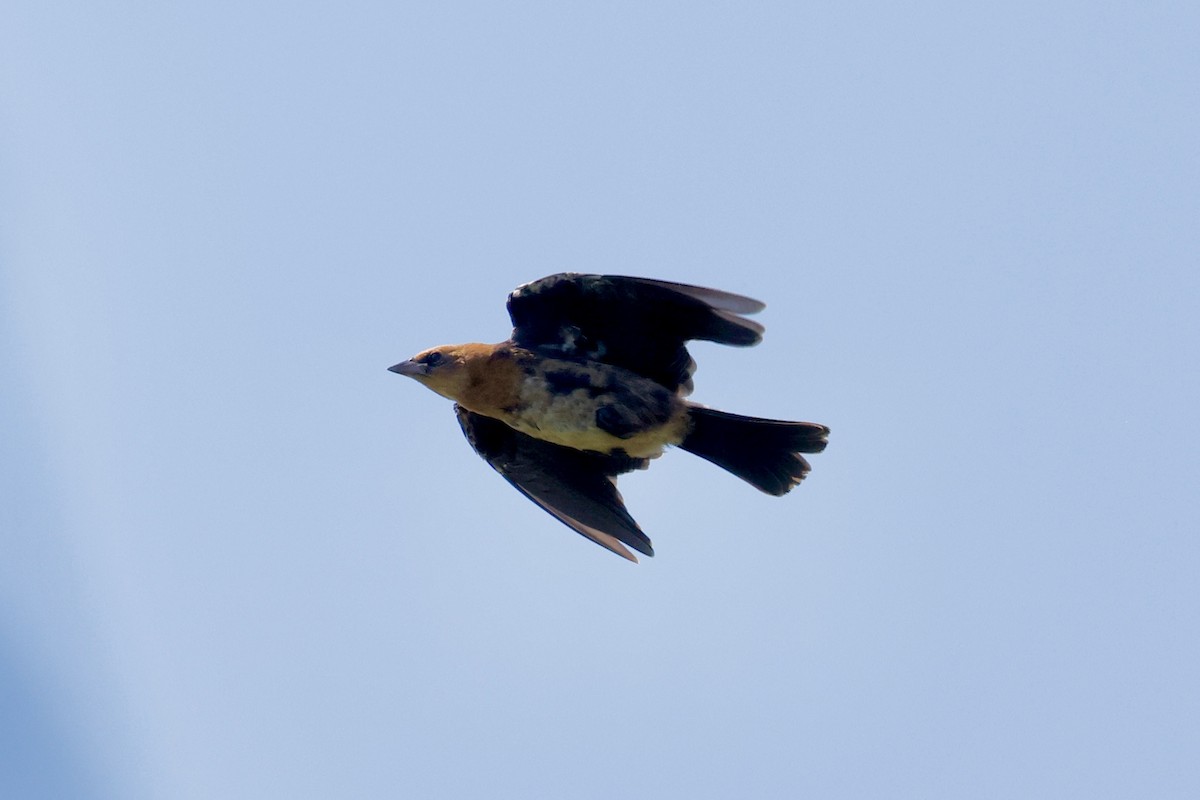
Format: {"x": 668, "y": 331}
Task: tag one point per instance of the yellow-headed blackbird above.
{"x": 591, "y": 384}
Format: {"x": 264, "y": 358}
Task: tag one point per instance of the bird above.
{"x": 592, "y": 384}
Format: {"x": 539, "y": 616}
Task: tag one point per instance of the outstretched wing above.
{"x": 635, "y": 323}
{"x": 579, "y": 488}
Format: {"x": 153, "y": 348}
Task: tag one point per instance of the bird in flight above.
{"x": 592, "y": 384}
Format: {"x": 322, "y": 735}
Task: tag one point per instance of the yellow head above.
{"x": 445, "y": 369}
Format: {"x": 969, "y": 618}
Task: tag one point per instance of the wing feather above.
{"x": 635, "y": 323}
{"x": 578, "y": 488}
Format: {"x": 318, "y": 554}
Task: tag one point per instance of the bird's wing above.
{"x": 635, "y": 323}
{"x": 579, "y": 488}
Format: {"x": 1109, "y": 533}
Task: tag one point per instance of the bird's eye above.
{"x": 433, "y": 359}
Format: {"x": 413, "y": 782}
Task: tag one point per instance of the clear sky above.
{"x": 239, "y": 559}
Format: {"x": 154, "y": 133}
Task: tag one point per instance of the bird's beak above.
{"x": 409, "y": 368}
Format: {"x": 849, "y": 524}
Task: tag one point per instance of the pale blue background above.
{"x": 238, "y": 559}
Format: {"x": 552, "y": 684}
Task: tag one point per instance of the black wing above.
{"x": 635, "y": 323}
{"x": 577, "y": 487}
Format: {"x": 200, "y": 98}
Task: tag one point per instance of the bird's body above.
{"x": 593, "y": 382}
{"x": 584, "y": 405}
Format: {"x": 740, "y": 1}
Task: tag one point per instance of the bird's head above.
{"x": 443, "y": 369}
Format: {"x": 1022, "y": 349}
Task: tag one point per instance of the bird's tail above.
{"x": 762, "y": 452}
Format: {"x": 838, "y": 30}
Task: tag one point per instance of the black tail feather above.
{"x": 762, "y": 452}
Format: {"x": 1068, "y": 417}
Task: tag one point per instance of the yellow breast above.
{"x": 568, "y": 417}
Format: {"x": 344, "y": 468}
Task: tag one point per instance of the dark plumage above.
{"x": 591, "y": 385}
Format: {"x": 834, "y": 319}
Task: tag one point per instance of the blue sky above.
{"x": 240, "y": 559}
